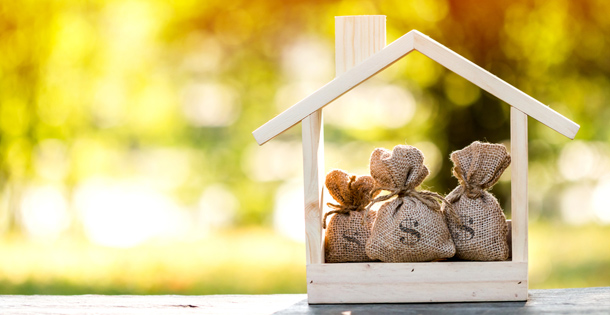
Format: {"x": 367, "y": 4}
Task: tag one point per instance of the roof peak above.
{"x": 415, "y": 40}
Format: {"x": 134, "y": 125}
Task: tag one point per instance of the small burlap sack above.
{"x": 348, "y": 229}
{"x": 481, "y": 234}
{"x": 411, "y": 227}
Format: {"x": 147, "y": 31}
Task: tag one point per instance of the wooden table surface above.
{"x": 557, "y": 301}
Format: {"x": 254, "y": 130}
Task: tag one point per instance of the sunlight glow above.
{"x": 308, "y": 59}
{"x": 51, "y": 161}
{"x": 125, "y": 214}
{"x": 288, "y": 216}
{"x": 582, "y": 160}
{"x": 576, "y": 205}
{"x": 44, "y": 212}
{"x": 600, "y": 201}
{"x": 276, "y": 160}
{"x": 210, "y": 105}
{"x": 217, "y": 208}
{"x": 372, "y": 105}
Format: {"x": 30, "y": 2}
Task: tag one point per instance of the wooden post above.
{"x": 519, "y": 204}
{"x": 313, "y": 175}
{"x": 356, "y": 38}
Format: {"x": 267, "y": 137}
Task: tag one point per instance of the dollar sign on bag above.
{"x": 352, "y": 239}
{"x": 465, "y": 226}
{"x": 407, "y": 225}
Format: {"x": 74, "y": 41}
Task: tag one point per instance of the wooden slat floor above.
{"x": 556, "y": 301}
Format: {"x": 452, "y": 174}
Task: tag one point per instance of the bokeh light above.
{"x": 128, "y": 165}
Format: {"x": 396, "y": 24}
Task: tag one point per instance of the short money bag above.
{"x": 481, "y": 234}
{"x": 348, "y": 229}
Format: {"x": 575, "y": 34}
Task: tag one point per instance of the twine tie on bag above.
{"x": 471, "y": 191}
{"x": 340, "y": 209}
{"x": 345, "y": 209}
{"x": 428, "y": 198}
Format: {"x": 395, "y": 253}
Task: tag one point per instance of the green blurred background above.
{"x": 127, "y": 164}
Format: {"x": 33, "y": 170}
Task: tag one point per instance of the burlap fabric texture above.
{"x": 481, "y": 234}
{"x": 348, "y": 228}
{"x": 412, "y": 226}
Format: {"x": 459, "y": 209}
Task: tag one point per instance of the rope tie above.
{"x": 340, "y": 209}
{"x": 428, "y": 198}
{"x": 471, "y": 190}
{"x": 345, "y": 209}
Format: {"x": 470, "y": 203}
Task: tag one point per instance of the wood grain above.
{"x": 555, "y": 301}
{"x": 313, "y": 177}
{"x": 494, "y": 85}
{"x": 518, "y": 184}
{"x": 357, "y": 37}
{"x": 334, "y": 89}
{"x": 415, "y": 40}
{"x": 133, "y": 304}
{"x": 417, "y": 282}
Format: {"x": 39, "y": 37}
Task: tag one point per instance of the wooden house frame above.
{"x": 360, "y": 54}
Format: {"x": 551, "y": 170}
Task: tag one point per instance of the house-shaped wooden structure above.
{"x": 360, "y": 54}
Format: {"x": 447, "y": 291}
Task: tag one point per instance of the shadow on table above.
{"x": 554, "y": 301}
{"x": 421, "y": 308}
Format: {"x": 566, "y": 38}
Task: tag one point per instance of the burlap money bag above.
{"x": 481, "y": 234}
{"x": 348, "y": 229}
{"x": 412, "y": 226}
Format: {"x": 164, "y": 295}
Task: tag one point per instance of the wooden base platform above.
{"x": 451, "y": 281}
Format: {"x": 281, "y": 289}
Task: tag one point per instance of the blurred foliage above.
{"x": 243, "y": 261}
{"x": 252, "y": 261}
{"x": 112, "y": 112}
